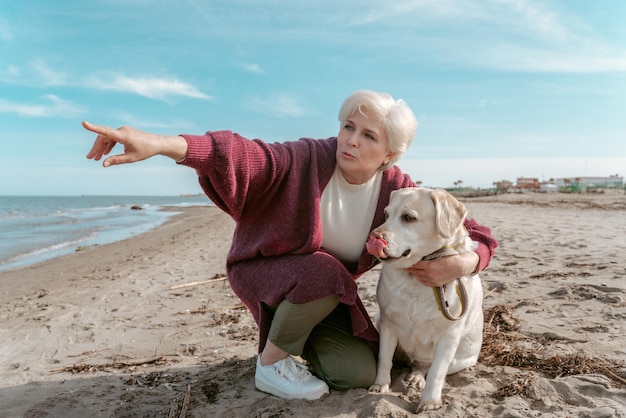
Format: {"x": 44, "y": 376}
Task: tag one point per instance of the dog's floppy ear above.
{"x": 450, "y": 212}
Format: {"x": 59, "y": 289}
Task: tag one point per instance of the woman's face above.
{"x": 362, "y": 147}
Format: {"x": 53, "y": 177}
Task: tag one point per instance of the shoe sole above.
{"x": 267, "y": 388}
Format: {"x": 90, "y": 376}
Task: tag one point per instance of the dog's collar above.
{"x": 440, "y": 292}
{"x": 442, "y": 252}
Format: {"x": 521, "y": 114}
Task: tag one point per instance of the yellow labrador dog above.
{"x": 437, "y": 327}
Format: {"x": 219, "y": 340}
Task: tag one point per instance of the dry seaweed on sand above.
{"x": 518, "y": 386}
{"x": 120, "y": 365}
{"x": 501, "y": 347}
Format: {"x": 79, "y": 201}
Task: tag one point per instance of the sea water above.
{"x": 37, "y": 228}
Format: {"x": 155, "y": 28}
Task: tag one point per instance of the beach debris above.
{"x": 153, "y": 379}
{"x": 500, "y": 318}
{"x": 120, "y": 365}
{"x": 211, "y": 390}
{"x": 517, "y": 386}
{"x": 86, "y": 353}
{"x": 502, "y": 347}
{"x": 560, "y": 274}
{"x": 544, "y": 337}
{"x": 84, "y": 247}
{"x": 175, "y": 411}
{"x": 205, "y": 309}
{"x": 216, "y": 278}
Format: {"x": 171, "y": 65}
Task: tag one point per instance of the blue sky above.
{"x": 501, "y": 88}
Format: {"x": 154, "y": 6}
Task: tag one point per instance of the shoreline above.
{"x": 40, "y": 228}
{"x": 81, "y": 259}
{"x": 102, "y": 238}
{"x": 133, "y": 327}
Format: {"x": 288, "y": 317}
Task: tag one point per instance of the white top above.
{"x": 347, "y": 211}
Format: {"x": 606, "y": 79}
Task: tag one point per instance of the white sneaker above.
{"x": 288, "y": 379}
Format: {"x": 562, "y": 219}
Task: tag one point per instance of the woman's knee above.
{"x": 359, "y": 372}
{"x": 352, "y": 367}
{"x": 293, "y": 323}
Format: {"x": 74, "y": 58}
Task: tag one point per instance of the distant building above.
{"x": 547, "y": 187}
{"x": 504, "y": 186}
{"x": 527, "y": 184}
{"x": 584, "y": 183}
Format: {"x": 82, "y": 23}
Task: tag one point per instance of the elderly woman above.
{"x": 303, "y": 211}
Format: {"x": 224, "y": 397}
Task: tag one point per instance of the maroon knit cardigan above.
{"x": 273, "y": 192}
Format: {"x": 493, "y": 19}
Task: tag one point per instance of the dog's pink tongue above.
{"x": 375, "y": 246}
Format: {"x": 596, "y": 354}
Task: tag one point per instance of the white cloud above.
{"x": 41, "y": 74}
{"x": 47, "y": 76}
{"x": 507, "y": 35}
{"x": 36, "y": 73}
{"x": 530, "y": 19}
{"x": 150, "y": 87}
{"x": 281, "y": 105}
{"x": 518, "y": 15}
{"x": 56, "y": 107}
{"x": 546, "y": 60}
{"x": 252, "y": 68}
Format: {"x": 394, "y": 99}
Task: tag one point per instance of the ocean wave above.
{"x": 40, "y": 252}
{"x": 31, "y": 213}
{"x": 36, "y": 229}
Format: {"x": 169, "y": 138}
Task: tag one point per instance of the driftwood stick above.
{"x": 185, "y": 406}
{"x": 80, "y": 368}
{"x": 205, "y": 309}
{"x": 216, "y": 278}
{"x": 609, "y": 373}
{"x": 173, "y": 409}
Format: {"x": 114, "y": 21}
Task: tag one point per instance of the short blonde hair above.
{"x": 397, "y": 117}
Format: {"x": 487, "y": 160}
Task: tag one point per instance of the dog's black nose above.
{"x": 406, "y": 253}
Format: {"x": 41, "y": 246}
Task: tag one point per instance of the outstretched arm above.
{"x": 138, "y": 145}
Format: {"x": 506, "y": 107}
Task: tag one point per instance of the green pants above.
{"x": 321, "y": 333}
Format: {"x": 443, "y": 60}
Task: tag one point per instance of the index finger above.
{"x": 105, "y": 141}
{"x": 103, "y": 131}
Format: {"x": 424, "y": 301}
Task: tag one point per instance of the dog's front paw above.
{"x": 429, "y": 406}
{"x": 379, "y": 388}
{"x": 416, "y": 379}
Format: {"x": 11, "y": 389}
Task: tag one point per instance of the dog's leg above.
{"x": 442, "y": 356}
{"x": 417, "y": 377}
{"x": 388, "y": 344}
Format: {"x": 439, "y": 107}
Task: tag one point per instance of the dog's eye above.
{"x": 407, "y": 217}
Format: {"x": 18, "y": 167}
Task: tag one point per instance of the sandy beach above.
{"x": 148, "y": 326}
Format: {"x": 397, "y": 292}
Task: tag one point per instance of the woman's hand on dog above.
{"x": 438, "y": 272}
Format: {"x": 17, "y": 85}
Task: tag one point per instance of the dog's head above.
{"x": 419, "y": 222}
